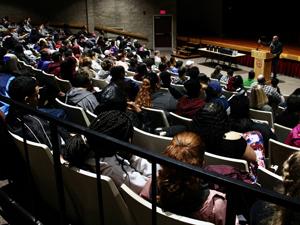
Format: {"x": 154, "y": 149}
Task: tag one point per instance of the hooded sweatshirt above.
{"x": 82, "y": 98}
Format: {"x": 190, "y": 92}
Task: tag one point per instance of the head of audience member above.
{"x": 162, "y": 67}
{"x": 193, "y": 88}
{"x": 165, "y": 78}
{"x": 251, "y": 75}
{"x": 10, "y": 64}
{"x": 189, "y": 63}
{"x": 291, "y": 188}
{"x": 216, "y": 72}
{"x": 258, "y": 98}
{"x": 293, "y": 102}
{"x": 85, "y": 61}
{"x": 114, "y": 123}
{"x": 261, "y": 79}
{"x": 230, "y": 73}
{"x": 182, "y": 73}
{"x": 274, "y": 82}
{"x": 213, "y": 90}
{"x": 56, "y": 56}
{"x": 82, "y": 80}
{"x": 106, "y": 64}
{"x": 178, "y": 192}
{"x": 238, "y": 82}
{"x": 211, "y": 123}
{"x": 142, "y": 69}
{"x": 179, "y": 64}
{"x": 24, "y": 89}
{"x": 239, "y": 107}
{"x": 193, "y": 72}
{"x": 117, "y": 73}
{"x": 154, "y": 82}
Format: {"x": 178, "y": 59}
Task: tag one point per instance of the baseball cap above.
{"x": 215, "y": 85}
{"x": 189, "y": 63}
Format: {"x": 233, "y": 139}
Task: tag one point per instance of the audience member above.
{"x": 186, "y": 194}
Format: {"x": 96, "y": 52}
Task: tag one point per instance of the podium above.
{"x": 262, "y": 63}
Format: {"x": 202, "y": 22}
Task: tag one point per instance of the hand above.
{"x": 133, "y": 107}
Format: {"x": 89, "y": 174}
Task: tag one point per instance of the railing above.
{"x": 232, "y": 186}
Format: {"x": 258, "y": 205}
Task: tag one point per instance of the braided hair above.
{"x": 291, "y": 188}
{"x": 114, "y": 123}
{"x": 211, "y": 122}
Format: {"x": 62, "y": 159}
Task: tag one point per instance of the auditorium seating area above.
{"x": 75, "y": 195}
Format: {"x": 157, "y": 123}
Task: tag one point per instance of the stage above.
{"x": 289, "y": 63}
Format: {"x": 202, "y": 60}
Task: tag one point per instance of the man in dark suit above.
{"x": 276, "y": 49}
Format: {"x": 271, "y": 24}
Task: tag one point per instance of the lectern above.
{"x": 262, "y": 63}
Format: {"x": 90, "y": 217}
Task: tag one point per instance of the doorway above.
{"x": 163, "y": 37}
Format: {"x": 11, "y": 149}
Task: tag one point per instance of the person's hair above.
{"x": 141, "y": 69}
{"x": 117, "y": 73}
{"x": 113, "y": 123}
{"x": 291, "y": 188}
{"x": 211, "y": 122}
{"x": 293, "y": 101}
{"x": 56, "y": 56}
{"x": 179, "y": 64}
{"x": 193, "y": 72}
{"x": 143, "y": 97}
{"x": 230, "y": 72}
{"x": 85, "y": 61}
{"x": 162, "y": 67}
{"x": 76, "y": 151}
{"x": 82, "y": 79}
{"x": 182, "y": 72}
{"x": 179, "y": 192}
{"x": 192, "y": 88}
{"x": 217, "y": 71}
{"x": 258, "y": 98}
{"x": 238, "y": 82}
{"x": 165, "y": 78}
{"x": 251, "y": 75}
{"x": 239, "y": 107}
{"x": 21, "y": 87}
{"x": 154, "y": 81}
{"x": 274, "y": 82}
{"x": 106, "y": 64}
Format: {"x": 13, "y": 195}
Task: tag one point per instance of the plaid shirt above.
{"x": 271, "y": 91}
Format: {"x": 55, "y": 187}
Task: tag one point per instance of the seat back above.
{"x": 82, "y": 187}
{"x": 91, "y": 116}
{"x": 152, "y": 142}
{"x": 281, "y": 132}
{"x": 75, "y": 114}
{"x": 100, "y": 83}
{"x": 63, "y": 85}
{"x": 179, "y": 87}
{"x": 141, "y": 211}
{"x": 179, "y": 120}
{"x": 267, "y": 179}
{"x": 278, "y": 153}
{"x": 212, "y": 159}
{"x": 41, "y": 167}
{"x": 228, "y": 94}
{"x": 157, "y": 116}
{"x": 262, "y": 115}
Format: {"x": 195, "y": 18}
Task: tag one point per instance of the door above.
{"x": 163, "y": 32}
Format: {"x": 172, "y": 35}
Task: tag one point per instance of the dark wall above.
{"x": 239, "y": 19}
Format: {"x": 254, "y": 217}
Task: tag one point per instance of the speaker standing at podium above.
{"x": 276, "y": 50}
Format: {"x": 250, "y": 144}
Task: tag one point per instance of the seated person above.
{"x": 189, "y": 104}
{"x": 80, "y": 94}
{"x": 120, "y": 166}
{"x": 25, "y": 90}
{"x": 250, "y": 81}
{"x": 214, "y": 94}
{"x": 185, "y": 194}
{"x": 290, "y": 117}
{"x": 211, "y": 122}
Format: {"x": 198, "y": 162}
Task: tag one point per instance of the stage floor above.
{"x": 291, "y": 52}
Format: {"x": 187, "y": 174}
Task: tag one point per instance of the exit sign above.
{"x": 162, "y": 12}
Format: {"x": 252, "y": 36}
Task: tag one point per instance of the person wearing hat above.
{"x": 214, "y": 94}
{"x": 189, "y": 63}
